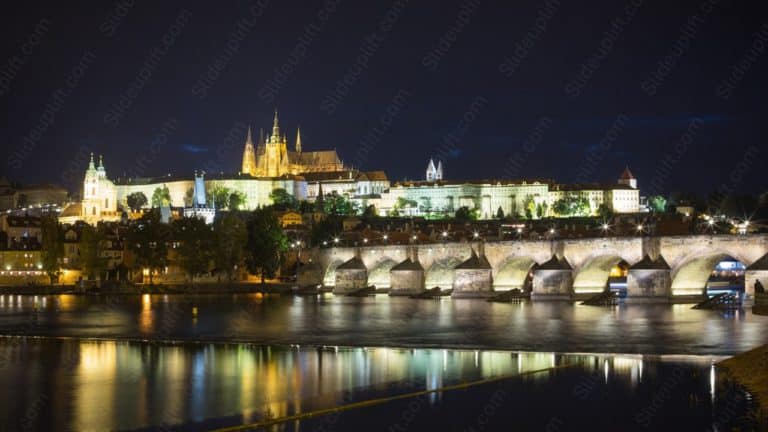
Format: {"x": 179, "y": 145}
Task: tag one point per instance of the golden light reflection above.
{"x": 146, "y": 318}
{"x": 95, "y": 381}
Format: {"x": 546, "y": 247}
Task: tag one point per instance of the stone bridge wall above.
{"x": 689, "y": 257}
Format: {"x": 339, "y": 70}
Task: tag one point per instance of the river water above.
{"x": 201, "y": 362}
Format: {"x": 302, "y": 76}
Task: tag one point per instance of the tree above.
{"x": 230, "y": 237}
{"x": 339, "y": 205}
{"x": 147, "y": 240}
{"x": 136, "y": 201}
{"x": 266, "y": 242}
{"x": 657, "y": 203}
{"x": 91, "y": 247}
{"x": 195, "y": 240}
{"x": 500, "y": 213}
{"x": 571, "y": 205}
{"x": 370, "y": 212}
{"x": 219, "y": 197}
{"x": 236, "y": 200}
{"x": 282, "y": 200}
{"x": 52, "y": 247}
{"x": 325, "y": 230}
{"x": 465, "y": 214}
{"x": 161, "y": 196}
{"x": 604, "y": 211}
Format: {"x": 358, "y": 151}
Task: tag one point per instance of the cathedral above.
{"x": 271, "y": 157}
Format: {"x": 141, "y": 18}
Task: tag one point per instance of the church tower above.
{"x": 298, "y": 140}
{"x": 274, "y": 163}
{"x": 99, "y": 194}
{"x": 249, "y": 156}
{"x": 628, "y": 179}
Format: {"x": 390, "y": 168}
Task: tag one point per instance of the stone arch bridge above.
{"x": 660, "y": 268}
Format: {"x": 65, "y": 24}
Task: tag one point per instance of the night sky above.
{"x": 674, "y": 89}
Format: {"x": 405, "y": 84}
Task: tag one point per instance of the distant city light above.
{"x": 445, "y": 233}
{"x": 336, "y": 240}
{"x": 386, "y": 236}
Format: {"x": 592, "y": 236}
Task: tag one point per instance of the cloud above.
{"x": 194, "y": 149}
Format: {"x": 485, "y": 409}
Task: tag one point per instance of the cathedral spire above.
{"x": 276, "y": 127}
{"x": 90, "y": 164}
{"x": 298, "y": 140}
{"x": 249, "y": 139}
{"x": 101, "y": 162}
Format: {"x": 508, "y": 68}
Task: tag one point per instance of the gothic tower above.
{"x": 275, "y": 163}
{"x": 298, "y": 140}
{"x": 249, "y": 156}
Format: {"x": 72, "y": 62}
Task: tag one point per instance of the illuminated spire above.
{"x": 276, "y": 127}
{"x": 90, "y": 164}
{"x": 101, "y": 162}
{"x": 249, "y": 139}
{"x": 298, "y": 140}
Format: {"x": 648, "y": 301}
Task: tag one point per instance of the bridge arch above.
{"x": 379, "y": 273}
{"x": 512, "y": 273}
{"x": 329, "y": 279}
{"x": 440, "y": 273}
{"x": 593, "y": 275}
{"x": 691, "y": 276}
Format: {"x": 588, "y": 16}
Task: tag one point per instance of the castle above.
{"x": 271, "y": 157}
{"x": 269, "y": 165}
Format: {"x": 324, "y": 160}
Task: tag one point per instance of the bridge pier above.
{"x": 309, "y": 273}
{"x": 407, "y": 277}
{"x": 649, "y": 281}
{"x": 473, "y": 278}
{"x": 553, "y": 280}
{"x": 351, "y": 275}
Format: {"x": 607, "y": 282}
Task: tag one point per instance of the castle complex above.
{"x": 269, "y": 164}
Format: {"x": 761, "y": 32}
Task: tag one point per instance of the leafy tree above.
{"x": 325, "y": 230}
{"x": 657, "y": 203}
{"x": 571, "y": 205}
{"x": 465, "y": 214}
{"x": 52, "y": 247}
{"x": 161, "y": 196}
{"x": 147, "y": 240}
{"x": 529, "y": 207}
{"x": 604, "y": 211}
{"x": 339, "y": 205}
{"x": 500, "y": 213}
{"x": 230, "y": 237}
{"x": 266, "y": 242}
{"x": 541, "y": 210}
{"x": 370, "y": 212}
{"x": 91, "y": 248}
{"x": 218, "y": 197}
{"x": 195, "y": 245}
{"x": 236, "y": 200}
{"x": 136, "y": 201}
{"x": 282, "y": 200}
{"x": 306, "y": 207}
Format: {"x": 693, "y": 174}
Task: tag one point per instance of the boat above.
{"x": 431, "y": 293}
{"x": 362, "y": 292}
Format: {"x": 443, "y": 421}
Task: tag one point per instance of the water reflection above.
{"x": 380, "y": 320}
{"x": 97, "y": 385}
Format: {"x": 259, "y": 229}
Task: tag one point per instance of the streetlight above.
{"x": 365, "y": 240}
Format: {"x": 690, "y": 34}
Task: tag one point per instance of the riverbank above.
{"x": 750, "y": 369}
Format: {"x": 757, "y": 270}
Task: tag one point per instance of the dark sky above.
{"x": 674, "y": 89}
